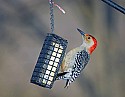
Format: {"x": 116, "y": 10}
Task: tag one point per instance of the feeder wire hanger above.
{"x": 52, "y": 4}
{"x": 51, "y": 16}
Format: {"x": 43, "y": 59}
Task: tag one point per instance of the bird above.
{"x": 76, "y": 59}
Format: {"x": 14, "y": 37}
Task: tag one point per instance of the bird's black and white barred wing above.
{"x": 81, "y": 61}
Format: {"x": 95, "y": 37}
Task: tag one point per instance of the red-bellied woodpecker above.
{"x": 76, "y": 59}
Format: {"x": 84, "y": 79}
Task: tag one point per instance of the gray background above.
{"x": 23, "y": 27}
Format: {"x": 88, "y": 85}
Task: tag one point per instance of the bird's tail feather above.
{"x": 67, "y": 84}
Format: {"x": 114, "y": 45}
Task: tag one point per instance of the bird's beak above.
{"x": 81, "y": 32}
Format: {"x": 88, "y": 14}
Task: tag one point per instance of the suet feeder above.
{"x": 49, "y": 61}
{"x": 50, "y": 58}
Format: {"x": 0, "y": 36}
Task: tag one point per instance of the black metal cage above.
{"x": 49, "y": 61}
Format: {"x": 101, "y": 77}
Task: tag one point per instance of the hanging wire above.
{"x": 51, "y": 3}
{"x": 115, "y": 5}
{"x": 51, "y": 16}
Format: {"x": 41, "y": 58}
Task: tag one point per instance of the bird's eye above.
{"x": 88, "y": 37}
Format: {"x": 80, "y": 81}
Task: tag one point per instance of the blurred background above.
{"x": 23, "y": 27}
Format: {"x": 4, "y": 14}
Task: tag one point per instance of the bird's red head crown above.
{"x": 92, "y": 48}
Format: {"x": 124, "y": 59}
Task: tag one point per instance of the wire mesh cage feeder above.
{"x": 49, "y": 61}
{"x": 50, "y": 58}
